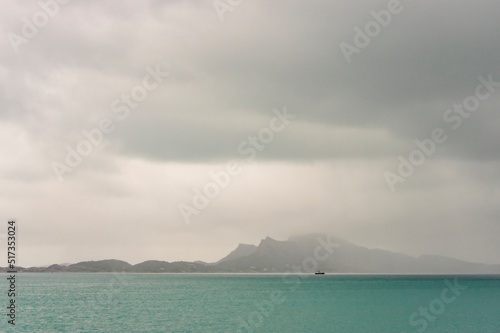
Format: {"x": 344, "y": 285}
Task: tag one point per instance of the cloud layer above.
{"x": 324, "y": 172}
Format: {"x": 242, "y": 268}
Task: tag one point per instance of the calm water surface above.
{"x": 253, "y": 303}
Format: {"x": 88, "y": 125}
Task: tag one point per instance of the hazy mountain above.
{"x": 110, "y": 265}
{"x": 152, "y": 266}
{"x": 242, "y": 250}
{"x": 299, "y": 254}
{"x": 441, "y": 263}
{"x": 269, "y": 256}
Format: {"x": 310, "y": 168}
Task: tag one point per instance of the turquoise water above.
{"x": 253, "y": 303}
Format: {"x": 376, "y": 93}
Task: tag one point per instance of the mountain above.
{"x": 298, "y": 254}
{"x": 110, "y": 265}
{"x": 270, "y": 256}
{"x": 305, "y": 254}
{"x": 242, "y": 250}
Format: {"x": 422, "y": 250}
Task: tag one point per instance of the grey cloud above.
{"x": 353, "y": 121}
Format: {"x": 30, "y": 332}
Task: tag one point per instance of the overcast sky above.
{"x": 317, "y": 102}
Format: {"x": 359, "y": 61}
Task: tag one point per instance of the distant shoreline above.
{"x": 298, "y": 255}
{"x": 477, "y": 275}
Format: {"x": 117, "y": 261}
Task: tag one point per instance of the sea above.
{"x": 125, "y": 302}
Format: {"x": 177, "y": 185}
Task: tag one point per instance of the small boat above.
{"x": 319, "y": 273}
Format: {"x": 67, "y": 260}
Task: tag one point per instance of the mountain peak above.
{"x": 242, "y": 250}
{"x": 269, "y": 240}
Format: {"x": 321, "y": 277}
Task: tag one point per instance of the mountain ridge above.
{"x": 299, "y": 254}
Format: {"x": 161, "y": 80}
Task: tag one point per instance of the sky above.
{"x": 175, "y": 130}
